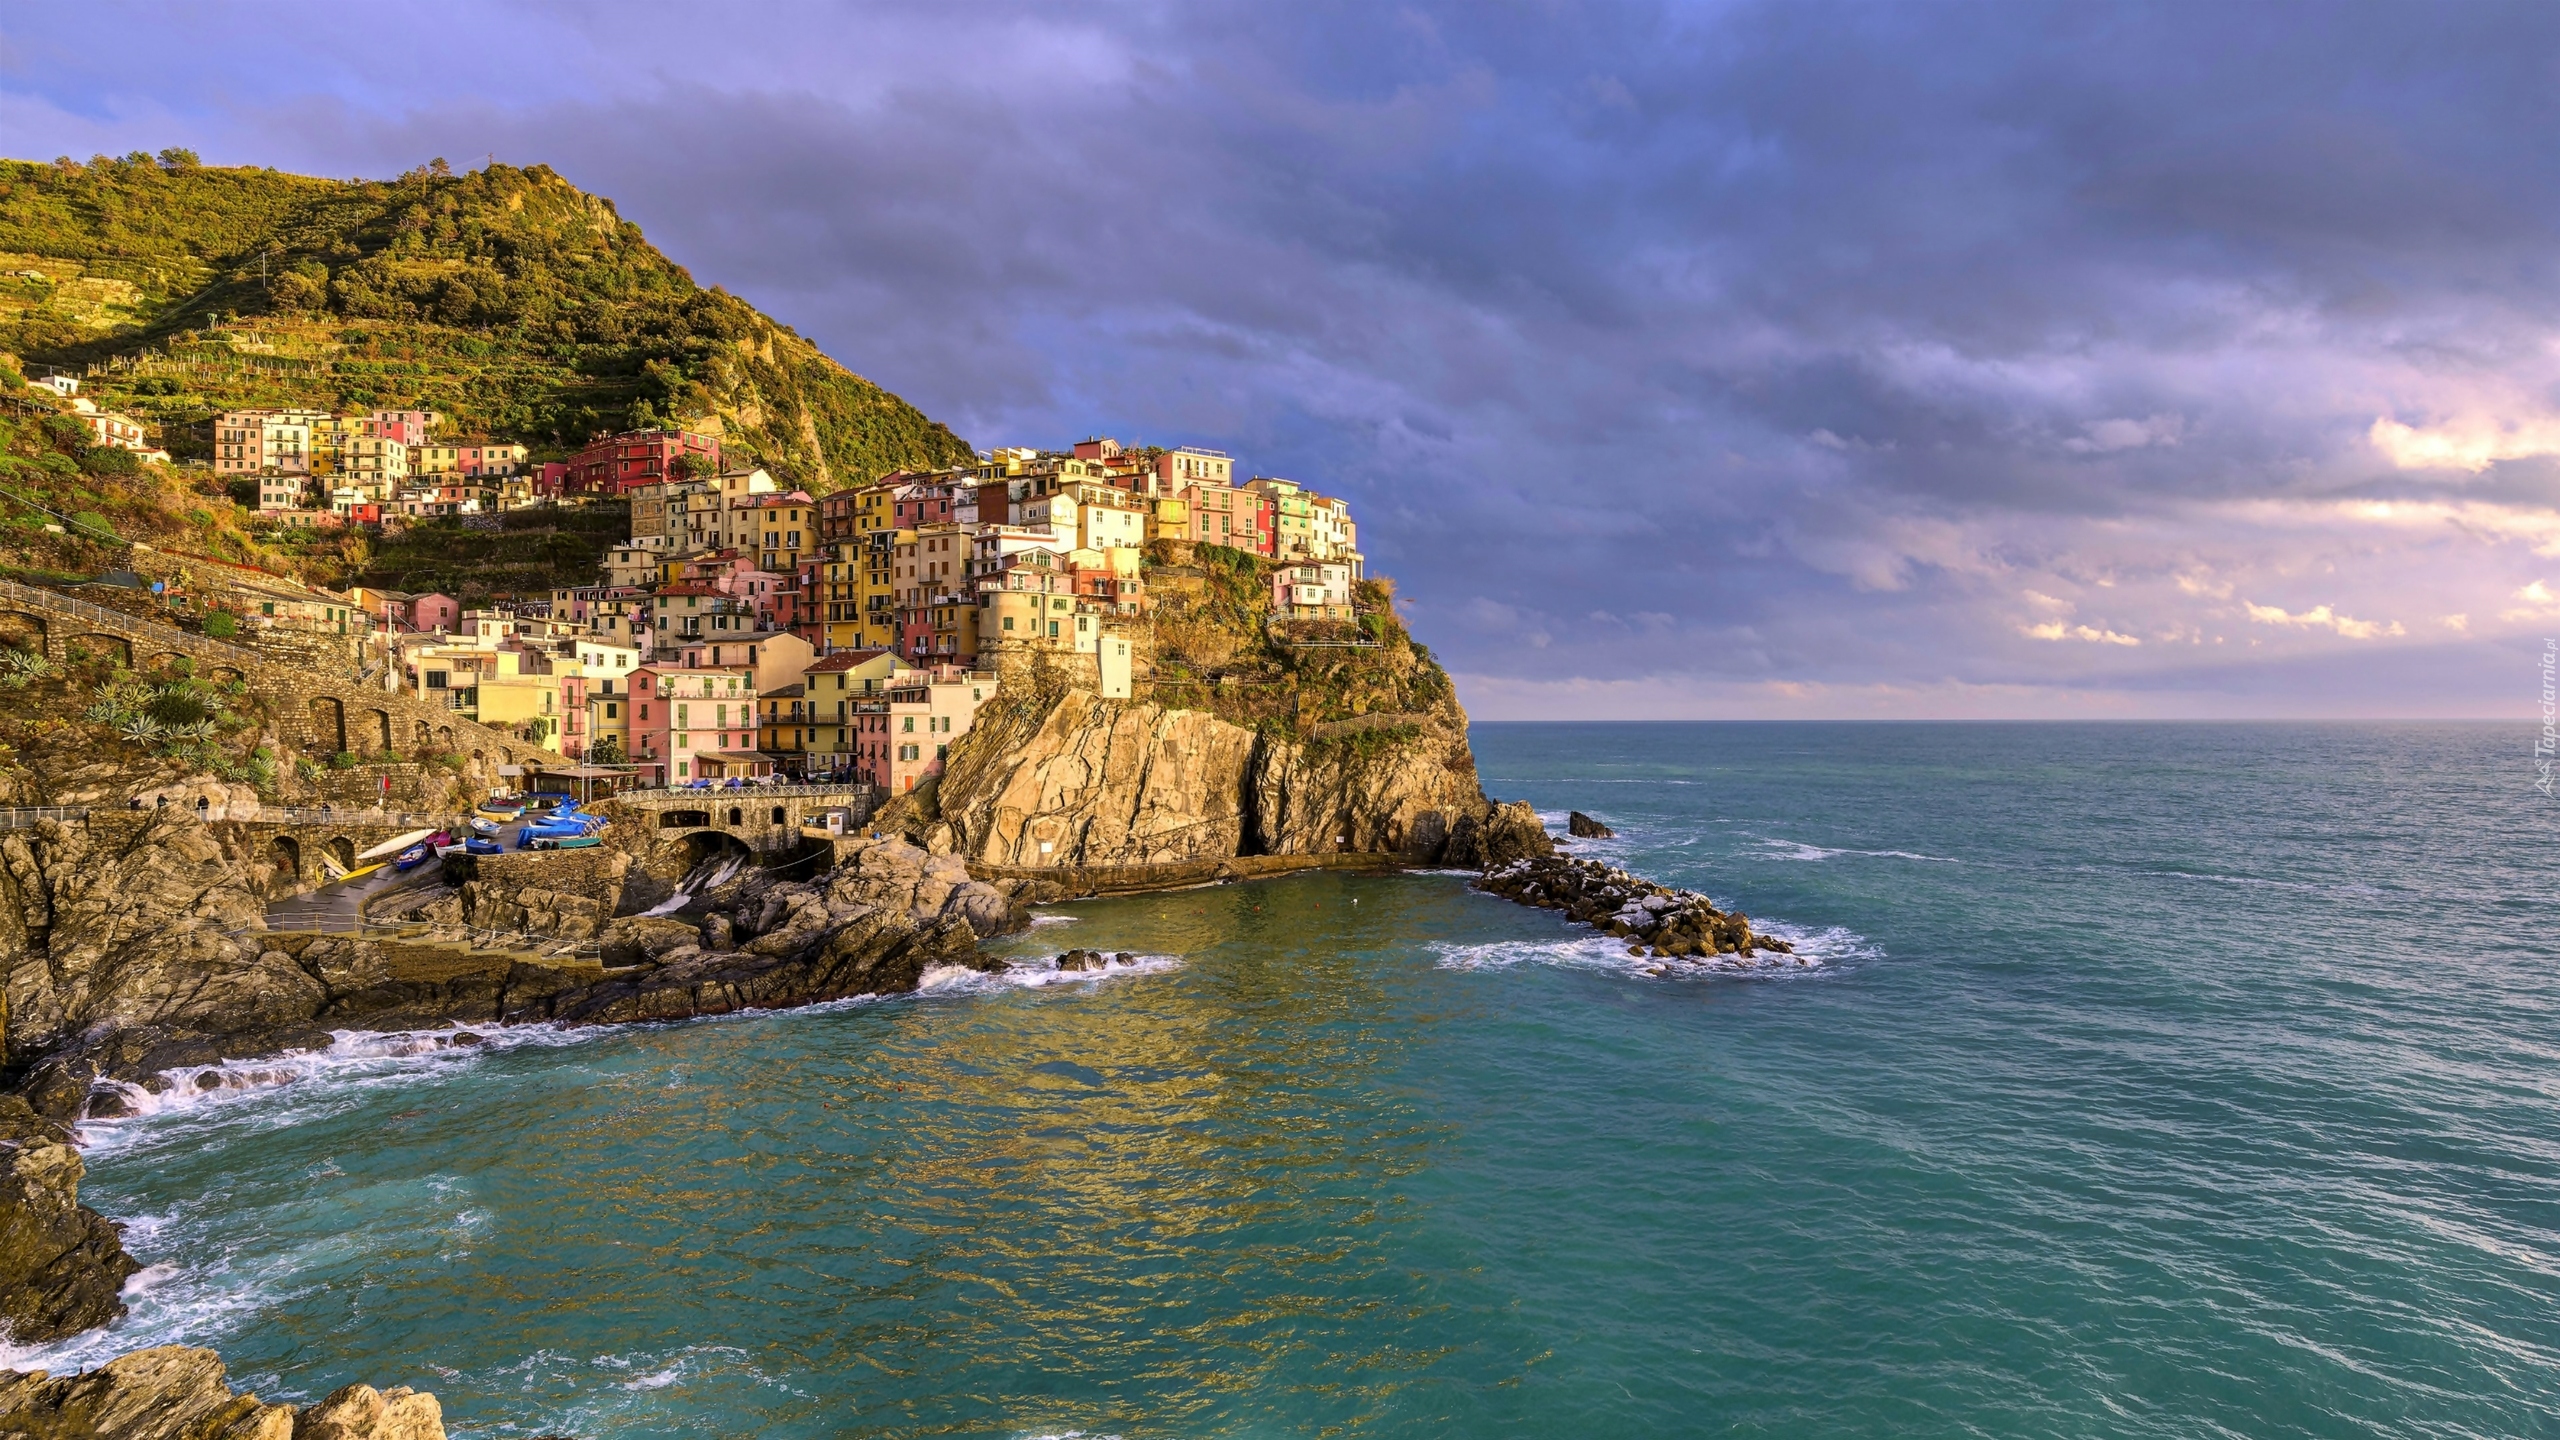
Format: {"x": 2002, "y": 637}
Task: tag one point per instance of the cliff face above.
{"x": 1071, "y": 779}
{"x": 62, "y": 1265}
{"x": 1251, "y": 736}
{"x": 124, "y": 919}
{"x": 1087, "y": 781}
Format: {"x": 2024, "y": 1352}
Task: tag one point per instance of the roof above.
{"x": 791, "y": 691}
{"x": 847, "y": 660}
{"x": 691, "y": 587}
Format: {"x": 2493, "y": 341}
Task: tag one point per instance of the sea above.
{"x": 2142, "y": 1080}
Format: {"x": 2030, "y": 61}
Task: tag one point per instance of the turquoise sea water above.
{"x": 2156, "y": 1081}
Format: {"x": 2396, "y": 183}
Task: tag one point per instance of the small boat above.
{"x": 362, "y": 871}
{"x": 455, "y": 847}
{"x": 482, "y": 845}
{"x": 412, "y": 858}
{"x": 566, "y": 842}
{"x": 485, "y": 827}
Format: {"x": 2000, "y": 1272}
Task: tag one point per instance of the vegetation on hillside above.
{"x": 505, "y": 297}
{"x": 534, "y": 551}
{"x": 1217, "y": 650}
{"x": 50, "y": 475}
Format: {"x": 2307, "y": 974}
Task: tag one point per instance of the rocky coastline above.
{"x": 138, "y": 961}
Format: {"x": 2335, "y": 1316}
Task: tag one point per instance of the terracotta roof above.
{"x": 846, "y": 660}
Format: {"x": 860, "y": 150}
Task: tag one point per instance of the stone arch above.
{"x": 444, "y": 737}
{"x": 328, "y": 723}
{"x": 25, "y": 630}
{"x": 285, "y": 854}
{"x": 103, "y": 642}
{"x": 378, "y": 734}
{"x": 426, "y": 737}
{"x": 169, "y": 660}
{"x": 704, "y": 845}
{"x": 778, "y": 817}
{"x": 682, "y": 819}
{"x": 737, "y": 815}
{"x": 343, "y": 850}
{"x": 223, "y": 673}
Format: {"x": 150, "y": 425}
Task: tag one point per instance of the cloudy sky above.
{"x": 1707, "y": 360}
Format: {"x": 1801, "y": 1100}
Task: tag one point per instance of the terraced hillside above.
{"x": 506, "y": 297}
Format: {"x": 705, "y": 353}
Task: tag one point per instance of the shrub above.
{"x": 343, "y": 760}
{"x": 108, "y": 460}
{"x": 220, "y": 625}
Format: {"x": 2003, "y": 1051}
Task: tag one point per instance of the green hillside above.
{"x": 506, "y": 297}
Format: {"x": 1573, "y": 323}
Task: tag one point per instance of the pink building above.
{"x": 433, "y": 612}
{"x": 691, "y": 724}
{"x": 409, "y": 427}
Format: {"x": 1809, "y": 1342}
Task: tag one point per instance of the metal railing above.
{"x": 332, "y": 815}
{"x": 690, "y": 792}
{"x": 25, "y": 816}
{"x": 177, "y": 639}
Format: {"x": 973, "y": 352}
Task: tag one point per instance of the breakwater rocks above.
{"x": 1671, "y": 925}
{"x": 178, "y": 1392}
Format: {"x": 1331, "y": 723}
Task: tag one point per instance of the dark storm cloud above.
{"x": 1941, "y": 349}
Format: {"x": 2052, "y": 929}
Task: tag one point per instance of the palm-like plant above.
{"x": 141, "y": 729}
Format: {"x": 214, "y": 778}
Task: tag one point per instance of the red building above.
{"x": 616, "y": 464}
{"x": 915, "y": 631}
{"x": 924, "y": 505}
{"x": 835, "y": 516}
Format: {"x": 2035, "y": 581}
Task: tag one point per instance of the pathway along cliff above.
{"x": 139, "y": 959}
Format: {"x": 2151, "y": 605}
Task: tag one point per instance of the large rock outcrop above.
{"x": 1069, "y": 779}
{"x": 62, "y": 1265}
{"x": 1088, "y": 781}
{"x": 873, "y": 925}
{"x": 178, "y": 1392}
{"x": 131, "y": 919}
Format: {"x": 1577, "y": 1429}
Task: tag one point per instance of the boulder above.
{"x": 1583, "y": 827}
{"x": 360, "y": 1412}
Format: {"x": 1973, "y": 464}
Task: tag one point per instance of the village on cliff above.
{"x": 748, "y": 633}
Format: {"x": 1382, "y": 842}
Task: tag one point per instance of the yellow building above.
{"x": 372, "y": 465}
{"x": 832, "y": 688}
{"x": 877, "y": 592}
{"x": 435, "y": 458}
{"x": 782, "y": 530}
{"x": 529, "y": 694}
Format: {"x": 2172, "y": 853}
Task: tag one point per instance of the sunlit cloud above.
{"x": 2321, "y": 617}
{"x": 2056, "y": 630}
{"x": 2473, "y": 444}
